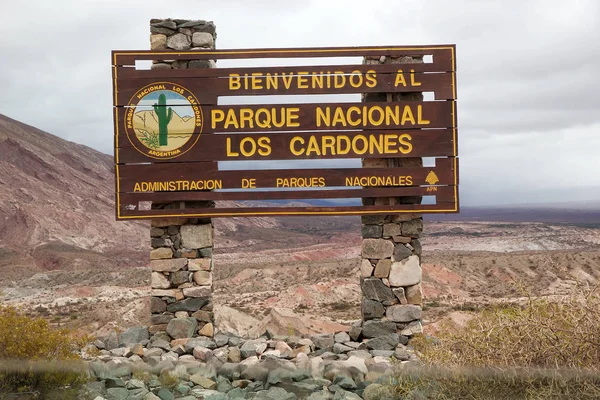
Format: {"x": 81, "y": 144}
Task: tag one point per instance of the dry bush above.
{"x": 545, "y": 349}
{"x": 546, "y": 333}
{"x": 443, "y": 383}
{"x": 25, "y": 340}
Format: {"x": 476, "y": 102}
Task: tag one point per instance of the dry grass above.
{"x": 443, "y": 383}
{"x": 546, "y": 333}
{"x": 545, "y": 349}
{"x": 25, "y": 340}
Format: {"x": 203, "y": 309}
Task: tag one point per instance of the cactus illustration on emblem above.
{"x": 163, "y": 120}
{"x": 164, "y": 117}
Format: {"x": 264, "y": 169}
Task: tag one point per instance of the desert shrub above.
{"x": 494, "y": 384}
{"x": 548, "y": 333}
{"x": 544, "y": 349}
{"x": 27, "y": 345}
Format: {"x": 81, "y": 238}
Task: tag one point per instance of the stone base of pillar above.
{"x": 182, "y": 262}
{"x": 391, "y": 274}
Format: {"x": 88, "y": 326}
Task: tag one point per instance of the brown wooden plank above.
{"x": 193, "y": 171}
{"x": 128, "y": 57}
{"x": 297, "y": 117}
{"x": 114, "y": 89}
{"x": 456, "y": 167}
{"x": 132, "y": 97}
{"x": 290, "y": 211}
{"x": 441, "y": 193}
{"x": 116, "y": 158}
{"x": 457, "y": 196}
{"x": 439, "y": 65}
{"x": 313, "y": 145}
{"x": 207, "y": 88}
{"x": 199, "y": 176}
{"x": 126, "y": 91}
{"x": 444, "y": 192}
{"x": 454, "y": 117}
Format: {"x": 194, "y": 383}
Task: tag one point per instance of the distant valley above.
{"x": 63, "y": 255}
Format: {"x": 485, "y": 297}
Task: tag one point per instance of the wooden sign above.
{"x": 172, "y": 131}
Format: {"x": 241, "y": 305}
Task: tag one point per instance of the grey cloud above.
{"x": 527, "y": 72}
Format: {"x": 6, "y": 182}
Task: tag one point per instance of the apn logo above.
{"x": 432, "y": 178}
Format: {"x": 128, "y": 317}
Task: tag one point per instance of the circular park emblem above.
{"x": 164, "y": 120}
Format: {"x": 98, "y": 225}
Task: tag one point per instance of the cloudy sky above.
{"x": 528, "y": 73}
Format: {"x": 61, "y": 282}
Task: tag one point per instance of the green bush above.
{"x": 548, "y": 348}
{"x": 38, "y": 359}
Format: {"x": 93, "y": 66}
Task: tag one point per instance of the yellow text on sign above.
{"x": 401, "y": 79}
{"x": 249, "y": 146}
{"x": 378, "y": 144}
{"x": 359, "y": 145}
{"x": 315, "y": 181}
{"x": 302, "y": 80}
{"x": 355, "y": 116}
{"x": 401, "y": 180}
{"x": 177, "y": 186}
{"x": 370, "y": 116}
{"x": 248, "y": 183}
{"x": 266, "y": 118}
{"x": 315, "y": 80}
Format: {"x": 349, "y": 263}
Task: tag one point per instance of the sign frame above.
{"x": 438, "y": 76}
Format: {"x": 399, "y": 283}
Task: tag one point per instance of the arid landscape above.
{"x": 63, "y": 256}
{"x": 466, "y": 266}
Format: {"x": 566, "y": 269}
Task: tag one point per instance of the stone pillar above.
{"x": 182, "y": 256}
{"x": 181, "y": 34}
{"x": 391, "y": 251}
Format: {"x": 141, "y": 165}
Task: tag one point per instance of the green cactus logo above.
{"x": 163, "y": 120}
{"x": 164, "y": 117}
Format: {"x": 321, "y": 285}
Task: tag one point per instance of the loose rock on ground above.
{"x": 135, "y": 365}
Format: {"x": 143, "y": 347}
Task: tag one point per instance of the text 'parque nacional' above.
{"x": 289, "y": 117}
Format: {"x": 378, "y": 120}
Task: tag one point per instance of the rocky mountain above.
{"x": 57, "y": 206}
{"x": 57, "y": 212}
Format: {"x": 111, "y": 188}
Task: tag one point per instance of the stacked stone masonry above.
{"x": 182, "y": 35}
{"x": 391, "y": 250}
{"x": 181, "y": 257}
{"x": 181, "y": 263}
{"x": 391, "y": 272}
